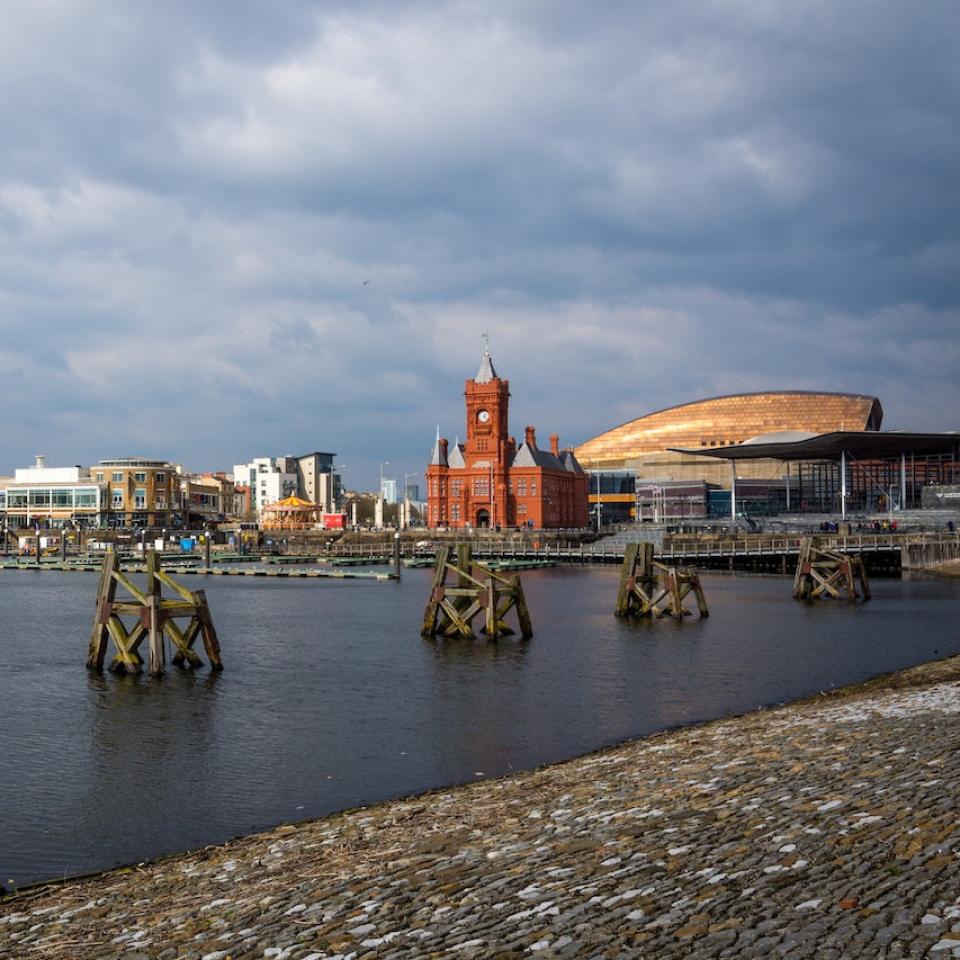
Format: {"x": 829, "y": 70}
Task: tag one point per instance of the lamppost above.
{"x": 599, "y": 510}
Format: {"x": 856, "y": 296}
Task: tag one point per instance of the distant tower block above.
{"x": 155, "y": 615}
{"x": 648, "y": 588}
{"x": 823, "y": 573}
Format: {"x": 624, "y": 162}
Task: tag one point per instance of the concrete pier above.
{"x": 823, "y": 829}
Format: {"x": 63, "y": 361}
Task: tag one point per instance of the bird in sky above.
{"x": 365, "y": 282}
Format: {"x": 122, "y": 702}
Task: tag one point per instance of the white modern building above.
{"x": 270, "y": 479}
{"x": 53, "y": 496}
{"x": 389, "y": 490}
{"x": 311, "y": 477}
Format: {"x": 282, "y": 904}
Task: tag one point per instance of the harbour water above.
{"x": 330, "y": 698}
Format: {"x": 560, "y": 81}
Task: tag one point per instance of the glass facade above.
{"x": 58, "y": 501}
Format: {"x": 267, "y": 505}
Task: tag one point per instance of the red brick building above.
{"x": 489, "y": 481}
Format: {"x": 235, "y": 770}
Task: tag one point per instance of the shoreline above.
{"x": 917, "y": 675}
{"x": 311, "y": 867}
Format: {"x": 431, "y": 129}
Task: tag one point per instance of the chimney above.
{"x": 530, "y": 436}
{"x": 555, "y": 444}
{"x": 40, "y": 461}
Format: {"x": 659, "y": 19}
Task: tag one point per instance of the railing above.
{"x": 679, "y": 549}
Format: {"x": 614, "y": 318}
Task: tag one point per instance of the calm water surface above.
{"x": 331, "y": 699}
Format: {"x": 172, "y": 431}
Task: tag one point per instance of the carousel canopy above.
{"x": 291, "y": 503}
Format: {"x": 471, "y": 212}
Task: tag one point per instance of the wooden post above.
{"x": 396, "y": 555}
{"x": 152, "y": 614}
{"x": 436, "y": 592}
{"x": 105, "y": 594}
{"x": 822, "y": 572}
{"x": 155, "y": 616}
{"x": 642, "y": 594}
{"x": 627, "y": 579}
{"x": 206, "y": 550}
{"x": 479, "y": 590}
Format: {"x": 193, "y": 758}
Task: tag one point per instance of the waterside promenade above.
{"x": 827, "y": 829}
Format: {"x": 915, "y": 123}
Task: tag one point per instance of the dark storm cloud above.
{"x": 291, "y": 223}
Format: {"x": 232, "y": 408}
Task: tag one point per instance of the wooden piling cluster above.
{"x": 822, "y": 572}
{"x": 479, "y": 590}
{"x": 155, "y": 615}
{"x": 648, "y": 588}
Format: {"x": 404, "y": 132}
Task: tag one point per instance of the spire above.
{"x": 486, "y": 372}
{"x": 439, "y": 458}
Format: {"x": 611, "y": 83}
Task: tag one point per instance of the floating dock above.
{"x": 203, "y": 571}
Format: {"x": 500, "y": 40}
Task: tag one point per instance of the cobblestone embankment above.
{"x": 824, "y": 829}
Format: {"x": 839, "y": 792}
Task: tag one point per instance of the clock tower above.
{"x": 487, "y": 403}
{"x": 487, "y": 481}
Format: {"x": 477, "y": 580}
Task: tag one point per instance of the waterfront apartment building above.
{"x": 142, "y": 492}
{"x": 318, "y": 480}
{"x": 52, "y": 496}
{"x": 311, "y": 477}
{"x": 206, "y": 498}
{"x": 270, "y": 479}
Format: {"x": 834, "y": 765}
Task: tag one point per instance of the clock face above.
{"x": 483, "y": 416}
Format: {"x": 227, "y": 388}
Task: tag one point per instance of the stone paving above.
{"x": 824, "y": 829}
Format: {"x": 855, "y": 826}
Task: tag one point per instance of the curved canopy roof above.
{"x": 861, "y": 445}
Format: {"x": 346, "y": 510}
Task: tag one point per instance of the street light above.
{"x": 599, "y": 510}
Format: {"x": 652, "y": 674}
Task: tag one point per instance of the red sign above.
{"x": 333, "y": 521}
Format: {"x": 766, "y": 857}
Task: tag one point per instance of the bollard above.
{"x": 396, "y": 555}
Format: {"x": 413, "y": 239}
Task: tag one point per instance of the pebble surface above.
{"x": 828, "y": 828}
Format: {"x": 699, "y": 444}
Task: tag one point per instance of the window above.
{"x": 117, "y": 498}
{"x": 39, "y": 498}
{"x": 161, "y": 476}
{"x": 117, "y": 477}
{"x": 99, "y": 476}
{"x": 139, "y": 498}
{"x": 140, "y": 477}
{"x": 533, "y": 487}
{"x": 455, "y": 512}
{"x": 62, "y": 498}
{"x": 86, "y": 498}
{"x": 522, "y": 487}
{"x": 480, "y": 487}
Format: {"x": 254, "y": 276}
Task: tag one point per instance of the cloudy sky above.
{"x": 234, "y": 228}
